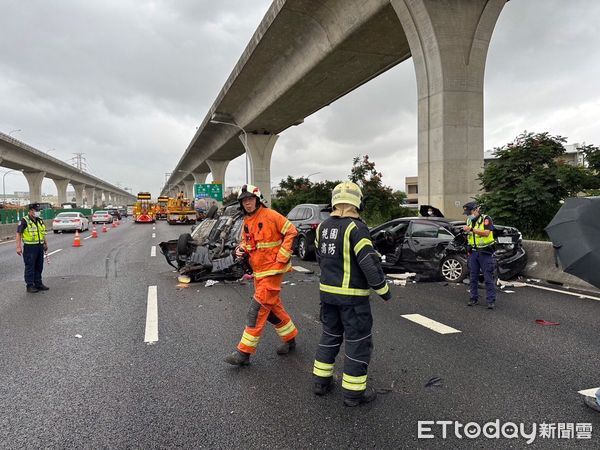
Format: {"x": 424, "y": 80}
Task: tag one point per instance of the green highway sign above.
{"x": 214, "y": 191}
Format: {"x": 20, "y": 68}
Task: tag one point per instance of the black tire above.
{"x": 55, "y": 231}
{"x": 304, "y": 251}
{"x": 453, "y": 269}
{"x": 212, "y": 211}
{"x": 183, "y": 244}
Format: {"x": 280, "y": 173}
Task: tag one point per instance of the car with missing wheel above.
{"x": 437, "y": 247}
{"x": 306, "y": 217}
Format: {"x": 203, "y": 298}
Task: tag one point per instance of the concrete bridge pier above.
{"x": 188, "y": 188}
{"x": 34, "y": 179}
{"x": 449, "y": 43}
{"x": 260, "y": 149}
{"x": 218, "y": 168}
{"x": 61, "y": 190}
{"x": 78, "y": 193}
{"x": 90, "y": 195}
{"x": 200, "y": 177}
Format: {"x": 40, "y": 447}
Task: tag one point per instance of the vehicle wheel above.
{"x": 183, "y": 247}
{"x": 303, "y": 251}
{"x": 55, "y": 231}
{"x": 210, "y": 214}
{"x": 453, "y": 270}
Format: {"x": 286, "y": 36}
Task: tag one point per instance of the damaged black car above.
{"x": 208, "y": 252}
{"x": 436, "y": 247}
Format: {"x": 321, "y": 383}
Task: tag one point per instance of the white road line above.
{"x": 55, "y": 251}
{"x": 152, "y": 316}
{"x": 562, "y": 292}
{"x": 153, "y": 227}
{"x": 7, "y": 242}
{"x": 302, "y": 269}
{"x": 86, "y": 238}
{"x": 588, "y": 392}
{"x": 431, "y": 324}
{"x": 153, "y": 235}
{"x": 153, "y": 251}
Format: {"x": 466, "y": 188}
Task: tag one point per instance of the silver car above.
{"x": 70, "y": 221}
{"x": 101, "y": 217}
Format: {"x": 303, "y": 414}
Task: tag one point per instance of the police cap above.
{"x": 469, "y": 207}
{"x": 34, "y": 206}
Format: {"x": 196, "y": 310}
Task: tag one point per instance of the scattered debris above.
{"x": 434, "y": 382}
{"x": 509, "y": 292}
{"x": 402, "y": 276}
{"x": 286, "y": 282}
{"x": 182, "y": 286}
{"x": 399, "y": 282}
{"x": 184, "y": 279}
{"x": 546, "y": 322}
{"x": 302, "y": 269}
{"x": 292, "y": 284}
{"x": 78, "y": 336}
{"x": 210, "y": 283}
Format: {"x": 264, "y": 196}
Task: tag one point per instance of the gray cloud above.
{"x": 128, "y": 82}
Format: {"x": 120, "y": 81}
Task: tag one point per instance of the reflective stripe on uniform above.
{"x": 286, "y": 226}
{"x": 354, "y": 383}
{"x": 361, "y": 244}
{"x": 268, "y": 244}
{"x": 268, "y": 273}
{"x": 383, "y": 290}
{"x": 343, "y": 290}
{"x": 249, "y": 340}
{"x": 285, "y": 253}
{"x": 288, "y": 328}
{"x": 248, "y": 247}
{"x": 322, "y": 369}
{"x": 346, "y": 281}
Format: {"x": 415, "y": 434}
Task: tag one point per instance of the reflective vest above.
{"x": 35, "y": 232}
{"x": 268, "y": 238}
{"x": 475, "y": 240}
{"x": 340, "y": 244}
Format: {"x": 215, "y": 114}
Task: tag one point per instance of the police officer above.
{"x": 481, "y": 252}
{"x": 349, "y": 266}
{"x": 31, "y": 243}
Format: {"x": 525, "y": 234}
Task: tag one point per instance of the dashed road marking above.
{"x": 153, "y": 251}
{"x": 153, "y": 227}
{"x": 152, "y": 316}
{"x": 431, "y": 324}
{"x": 55, "y": 251}
{"x": 153, "y": 235}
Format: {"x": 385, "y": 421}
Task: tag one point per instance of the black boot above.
{"x": 238, "y": 358}
{"x": 32, "y": 289}
{"x": 367, "y": 397}
{"x": 42, "y": 287}
{"x": 322, "y": 389}
{"x": 286, "y": 347}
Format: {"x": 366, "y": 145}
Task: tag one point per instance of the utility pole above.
{"x": 78, "y": 160}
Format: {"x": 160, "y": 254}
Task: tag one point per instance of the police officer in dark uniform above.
{"x": 31, "y": 243}
{"x": 481, "y": 253}
{"x": 349, "y": 267}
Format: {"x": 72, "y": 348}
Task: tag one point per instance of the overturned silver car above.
{"x": 208, "y": 252}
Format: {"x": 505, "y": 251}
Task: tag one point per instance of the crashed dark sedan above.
{"x": 209, "y": 251}
{"x": 436, "y": 247}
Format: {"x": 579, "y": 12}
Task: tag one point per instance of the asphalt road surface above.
{"x": 75, "y": 370}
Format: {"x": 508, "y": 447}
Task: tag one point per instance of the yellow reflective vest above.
{"x": 476, "y": 241}
{"x": 35, "y": 232}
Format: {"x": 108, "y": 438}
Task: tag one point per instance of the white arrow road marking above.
{"x": 431, "y": 324}
{"x": 55, "y": 251}
{"x": 152, "y": 316}
{"x": 153, "y": 251}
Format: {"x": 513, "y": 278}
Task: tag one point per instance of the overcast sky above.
{"x": 128, "y": 81}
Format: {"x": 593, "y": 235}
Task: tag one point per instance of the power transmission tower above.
{"x": 79, "y": 161}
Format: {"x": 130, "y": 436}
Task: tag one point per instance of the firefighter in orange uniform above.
{"x": 267, "y": 238}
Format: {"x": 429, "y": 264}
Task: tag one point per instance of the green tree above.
{"x": 526, "y": 182}
{"x": 294, "y": 191}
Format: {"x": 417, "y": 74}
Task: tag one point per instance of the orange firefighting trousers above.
{"x": 266, "y": 305}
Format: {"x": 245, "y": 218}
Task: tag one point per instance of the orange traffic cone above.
{"x": 118, "y": 223}
{"x": 77, "y": 240}
{"x": 104, "y": 230}
{"x": 94, "y": 232}
{"x": 114, "y": 225}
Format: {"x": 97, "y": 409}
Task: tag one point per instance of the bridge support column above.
{"x": 78, "y": 194}
{"x": 61, "y": 190}
{"x": 90, "y": 195}
{"x": 188, "y": 188}
{"x": 200, "y": 177}
{"x": 218, "y": 168}
{"x": 449, "y": 43}
{"x": 34, "y": 179}
{"x": 260, "y": 149}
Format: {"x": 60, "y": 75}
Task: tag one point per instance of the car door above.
{"x": 421, "y": 247}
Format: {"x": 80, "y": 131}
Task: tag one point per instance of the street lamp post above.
{"x": 232, "y": 123}
{"x": 310, "y": 175}
{"x": 4, "y": 185}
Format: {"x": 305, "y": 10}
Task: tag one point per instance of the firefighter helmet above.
{"x": 347, "y": 192}
{"x": 249, "y": 190}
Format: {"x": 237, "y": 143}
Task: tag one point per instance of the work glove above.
{"x": 239, "y": 252}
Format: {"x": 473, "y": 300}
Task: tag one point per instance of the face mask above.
{"x": 36, "y": 214}
{"x": 471, "y": 217}
{"x": 430, "y": 212}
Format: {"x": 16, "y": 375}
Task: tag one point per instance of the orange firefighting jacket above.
{"x": 268, "y": 238}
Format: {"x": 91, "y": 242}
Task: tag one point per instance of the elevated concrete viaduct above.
{"x": 306, "y": 54}
{"x": 36, "y": 165}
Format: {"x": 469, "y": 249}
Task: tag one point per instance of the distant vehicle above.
{"x": 68, "y": 205}
{"x": 161, "y": 209}
{"x": 143, "y": 212}
{"x": 123, "y": 212}
{"x": 306, "y": 218}
{"x": 70, "y": 221}
{"x": 115, "y": 213}
{"x": 101, "y": 217}
{"x": 130, "y": 210}
{"x": 180, "y": 211}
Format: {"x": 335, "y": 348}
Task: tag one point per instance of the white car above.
{"x": 70, "y": 221}
{"x": 102, "y": 217}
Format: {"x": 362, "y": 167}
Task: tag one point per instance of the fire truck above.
{"x": 180, "y": 210}
{"x": 161, "y": 207}
{"x": 143, "y": 211}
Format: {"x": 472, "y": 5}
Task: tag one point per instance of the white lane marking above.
{"x": 302, "y": 269}
{"x": 563, "y": 292}
{"x": 153, "y": 235}
{"x": 55, "y": 251}
{"x": 152, "y": 316}
{"x": 7, "y": 242}
{"x": 153, "y": 251}
{"x": 431, "y": 324}
{"x": 86, "y": 238}
{"x": 588, "y": 392}
{"x": 153, "y": 227}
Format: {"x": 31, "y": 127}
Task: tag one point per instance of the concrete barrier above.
{"x": 9, "y": 230}
{"x": 541, "y": 264}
